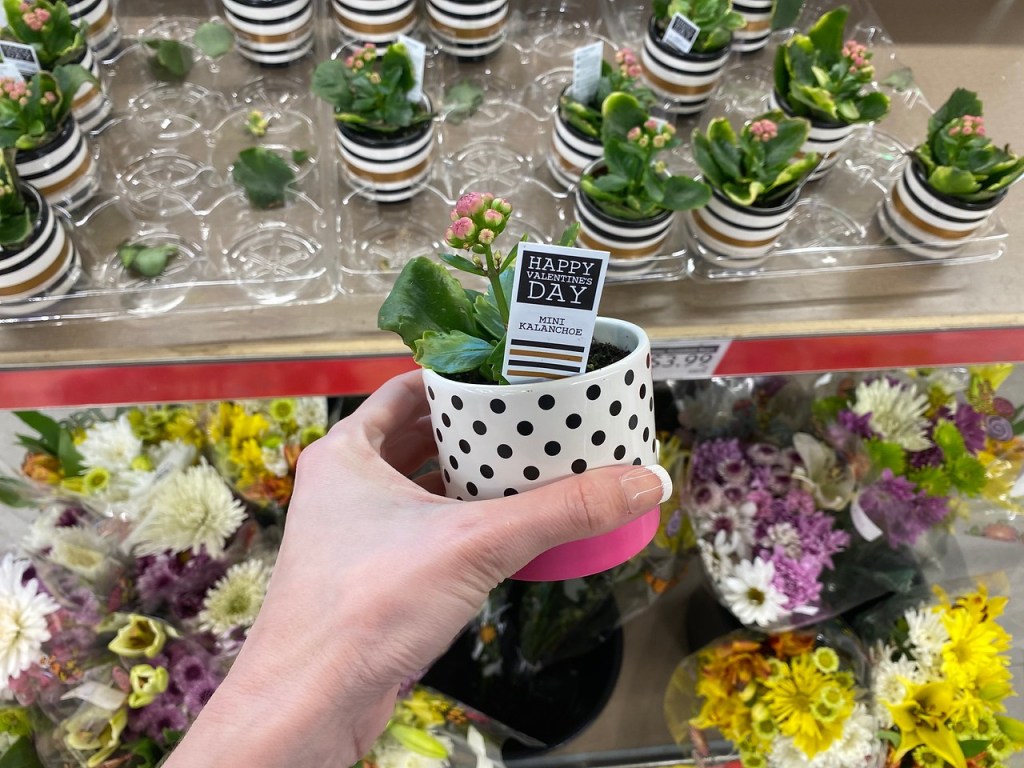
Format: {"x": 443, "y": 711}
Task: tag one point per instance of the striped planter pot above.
{"x": 104, "y": 34}
{"x": 928, "y": 223}
{"x": 374, "y": 21}
{"x": 685, "y": 80}
{"x": 740, "y": 236}
{"x": 468, "y": 28}
{"x": 387, "y": 168}
{"x": 827, "y": 139}
{"x": 62, "y": 169}
{"x": 271, "y": 32}
{"x": 499, "y": 440}
{"x": 37, "y": 273}
{"x": 758, "y": 17}
{"x": 571, "y": 151}
{"x": 91, "y": 105}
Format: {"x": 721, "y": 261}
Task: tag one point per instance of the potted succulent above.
{"x": 625, "y": 201}
{"x": 374, "y": 21}
{"x": 37, "y": 258}
{"x": 52, "y": 154}
{"x": 271, "y": 32}
{"x": 386, "y": 140}
{"x": 824, "y": 79}
{"x": 755, "y": 180}
{"x": 688, "y": 78}
{"x": 101, "y": 28}
{"x": 952, "y": 183}
{"x": 58, "y": 39}
{"x": 468, "y": 29}
{"x": 576, "y": 131}
{"x": 495, "y": 438}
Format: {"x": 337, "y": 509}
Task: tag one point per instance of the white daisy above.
{"x": 927, "y": 635}
{"x": 190, "y": 510}
{"x": 236, "y": 599}
{"x": 274, "y": 460}
{"x": 311, "y": 412}
{"x": 731, "y": 528}
{"x": 750, "y": 594}
{"x": 82, "y": 551}
{"x": 897, "y": 412}
{"x": 111, "y": 445}
{"x": 887, "y": 685}
{"x": 23, "y": 612}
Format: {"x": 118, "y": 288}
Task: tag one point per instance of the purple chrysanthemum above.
{"x": 797, "y": 580}
{"x": 971, "y": 426}
{"x": 903, "y": 513}
{"x": 707, "y": 457}
{"x": 154, "y": 719}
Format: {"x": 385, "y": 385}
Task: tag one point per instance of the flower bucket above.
{"x": 374, "y": 21}
{"x": 35, "y": 274}
{"x": 271, "y": 32}
{"x": 928, "y": 223}
{"x": 571, "y": 151}
{"x": 103, "y": 34}
{"x": 62, "y": 169}
{"x": 686, "y": 80}
{"x": 758, "y": 28}
{"x": 91, "y": 106}
{"x": 740, "y": 236}
{"x": 495, "y": 441}
{"x": 827, "y": 139}
{"x": 468, "y": 28}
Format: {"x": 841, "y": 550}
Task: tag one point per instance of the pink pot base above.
{"x": 598, "y": 553}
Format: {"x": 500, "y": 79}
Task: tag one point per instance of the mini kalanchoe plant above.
{"x": 958, "y": 159}
{"x": 369, "y": 92}
{"x": 636, "y": 185}
{"x": 33, "y": 112}
{"x": 624, "y": 76}
{"x": 823, "y": 78}
{"x": 15, "y": 216}
{"x": 761, "y": 165}
{"x": 47, "y": 27}
{"x": 715, "y": 18}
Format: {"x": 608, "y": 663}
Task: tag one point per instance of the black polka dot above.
{"x": 648, "y": 359}
{"x": 593, "y": 392}
{"x": 643, "y": 391}
{"x": 552, "y": 448}
{"x": 573, "y": 421}
{"x": 459, "y": 498}
{"x": 579, "y": 466}
{"x": 620, "y": 451}
{"x": 505, "y": 451}
{"x": 457, "y": 402}
{"x": 464, "y": 446}
{"x": 472, "y": 489}
{"x": 524, "y": 428}
{"x": 650, "y": 405}
{"x": 454, "y": 462}
{"x": 479, "y": 427}
{"x": 647, "y": 434}
{"x": 447, "y": 477}
{"x": 531, "y": 473}
{"x": 546, "y": 402}
{"x": 486, "y": 471}
{"x": 597, "y": 438}
{"x": 633, "y": 421}
{"x": 629, "y": 377}
{"x": 437, "y": 433}
{"x": 637, "y": 461}
{"x": 654, "y": 445}
{"x": 446, "y": 420}
{"x": 498, "y": 406}
{"x": 511, "y": 491}
{"x": 430, "y": 392}
{"x": 615, "y": 408}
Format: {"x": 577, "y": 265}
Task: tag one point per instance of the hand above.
{"x": 376, "y": 576}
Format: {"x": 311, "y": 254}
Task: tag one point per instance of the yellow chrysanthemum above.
{"x": 792, "y": 697}
{"x": 974, "y": 646}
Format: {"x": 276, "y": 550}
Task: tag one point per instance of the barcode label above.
{"x": 681, "y": 33}
{"x": 687, "y": 359}
{"x": 586, "y": 72}
{"x": 22, "y": 56}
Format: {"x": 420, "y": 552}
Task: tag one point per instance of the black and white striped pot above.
{"x": 928, "y": 223}
{"x": 468, "y": 28}
{"x": 499, "y": 440}
{"x": 374, "y": 21}
{"x": 571, "y": 151}
{"x": 91, "y": 105}
{"x": 271, "y": 32}
{"x": 103, "y": 34}
{"x": 740, "y": 236}
{"x": 38, "y": 272}
{"x": 62, "y": 169}
{"x": 685, "y": 80}
{"x": 388, "y": 168}
{"x": 758, "y": 27}
{"x": 827, "y": 139}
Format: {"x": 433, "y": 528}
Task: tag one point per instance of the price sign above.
{"x": 681, "y": 33}
{"x": 687, "y": 359}
{"x": 586, "y": 71}
{"x": 22, "y": 56}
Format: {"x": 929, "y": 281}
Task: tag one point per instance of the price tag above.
{"x": 22, "y": 56}
{"x": 418, "y": 55}
{"x": 687, "y": 359}
{"x": 586, "y": 71}
{"x": 681, "y": 33}
{"x": 551, "y": 322}
{"x": 10, "y": 72}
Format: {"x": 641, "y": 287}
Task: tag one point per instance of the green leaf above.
{"x": 214, "y": 39}
{"x": 48, "y": 429}
{"x": 792, "y": 133}
{"x": 1012, "y": 728}
{"x": 146, "y": 261}
{"x": 69, "y": 78}
{"x": 785, "y": 13}
{"x": 961, "y": 102}
{"x": 826, "y": 410}
{"x": 263, "y": 175}
{"x": 15, "y": 493}
{"x": 173, "y": 60}
{"x": 488, "y": 317}
{"x": 827, "y": 33}
{"x": 15, "y": 228}
{"x": 900, "y": 80}
{"x": 872, "y": 107}
{"x": 300, "y": 156}
{"x": 451, "y": 352}
{"x": 462, "y": 263}
{"x": 330, "y": 83}
{"x": 684, "y": 194}
{"x": 462, "y": 100}
{"x": 973, "y": 747}
{"x": 569, "y": 235}
{"x": 426, "y": 298}
{"x": 68, "y": 456}
{"x": 21, "y": 754}
{"x": 953, "y": 181}
{"x": 620, "y": 112}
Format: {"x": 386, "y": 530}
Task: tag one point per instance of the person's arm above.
{"x": 376, "y": 576}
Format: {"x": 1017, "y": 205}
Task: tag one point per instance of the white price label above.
{"x": 418, "y": 55}
{"x": 687, "y": 359}
{"x": 586, "y": 71}
{"x": 22, "y": 56}
{"x": 681, "y": 33}
{"x": 10, "y": 72}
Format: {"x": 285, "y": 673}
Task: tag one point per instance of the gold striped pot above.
{"x": 740, "y": 236}
{"x": 374, "y": 21}
{"x": 754, "y": 35}
{"x": 928, "y": 223}
{"x": 571, "y": 151}
{"x": 103, "y": 34}
{"x": 35, "y": 274}
{"x": 468, "y": 28}
{"x": 91, "y": 106}
{"x": 827, "y": 139}
{"x": 271, "y": 32}
{"x": 62, "y": 169}
{"x": 685, "y": 80}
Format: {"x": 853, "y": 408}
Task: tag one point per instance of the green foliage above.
{"x": 214, "y": 39}
{"x": 53, "y": 439}
{"x": 30, "y": 118}
{"x": 462, "y": 100}
{"x": 785, "y": 13}
{"x": 16, "y": 220}
{"x": 716, "y": 19}
{"x": 958, "y": 159}
{"x": 171, "y": 61}
{"x": 369, "y": 91}
{"x": 263, "y": 175}
{"x": 756, "y": 167}
{"x": 21, "y": 754}
{"x": 146, "y": 261}
{"x": 622, "y": 77}
{"x": 57, "y": 41}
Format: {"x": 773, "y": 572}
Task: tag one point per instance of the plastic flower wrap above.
{"x": 787, "y": 700}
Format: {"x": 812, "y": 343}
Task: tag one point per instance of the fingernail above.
{"x": 646, "y": 487}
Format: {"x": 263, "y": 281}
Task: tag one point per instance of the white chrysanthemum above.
{"x": 390, "y": 753}
{"x": 23, "y": 612}
{"x": 897, "y": 412}
{"x": 750, "y": 594}
{"x": 311, "y": 412}
{"x": 111, "y": 445}
{"x": 274, "y": 461}
{"x": 853, "y": 749}
{"x": 716, "y": 566}
{"x": 126, "y": 485}
{"x": 887, "y": 685}
{"x": 171, "y": 456}
{"x": 190, "y": 510}
{"x": 927, "y": 635}
{"x": 81, "y": 550}
{"x": 236, "y": 599}
{"x": 730, "y": 527}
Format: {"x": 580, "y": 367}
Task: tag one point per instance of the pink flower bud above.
{"x": 470, "y": 204}
{"x": 659, "y": 141}
{"x": 651, "y": 124}
{"x": 635, "y": 70}
{"x": 349, "y": 61}
{"x": 643, "y": 141}
{"x": 493, "y": 218}
{"x": 634, "y": 133}
{"x": 464, "y": 228}
{"x": 502, "y": 205}
{"x": 486, "y": 236}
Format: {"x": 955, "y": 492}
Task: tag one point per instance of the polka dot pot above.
{"x": 495, "y": 441}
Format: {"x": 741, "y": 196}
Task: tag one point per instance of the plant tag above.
{"x": 681, "y": 33}
{"x": 555, "y": 296}
{"x": 418, "y": 55}
{"x": 687, "y": 359}
{"x": 22, "y": 56}
{"x": 9, "y": 71}
{"x": 586, "y": 71}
